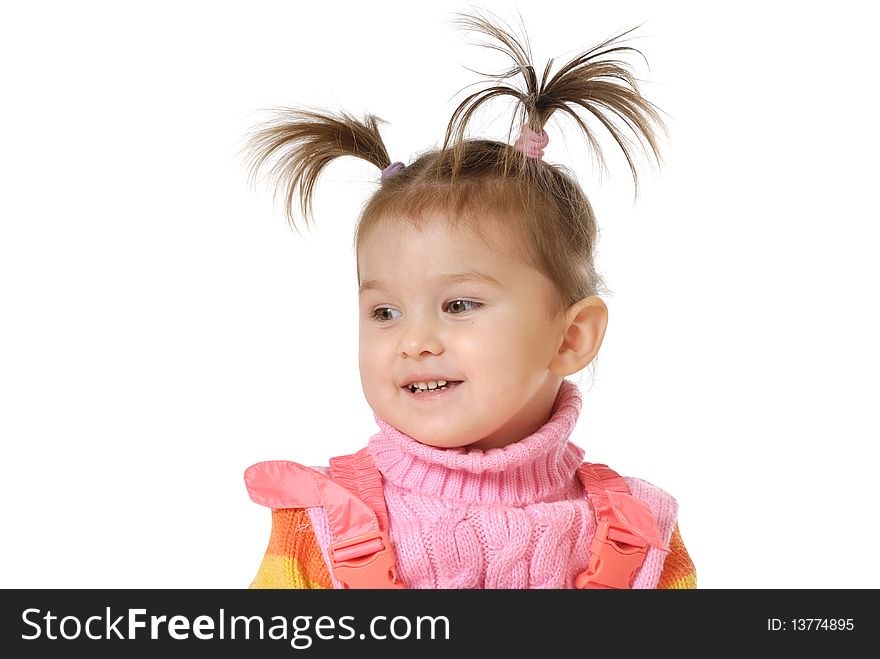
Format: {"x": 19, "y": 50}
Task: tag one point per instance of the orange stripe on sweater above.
{"x": 293, "y": 558}
{"x": 678, "y": 568}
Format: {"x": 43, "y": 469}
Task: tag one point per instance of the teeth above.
{"x": 427, "y": 386}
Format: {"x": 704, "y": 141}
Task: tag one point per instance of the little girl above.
{"x": 478, "y": 296}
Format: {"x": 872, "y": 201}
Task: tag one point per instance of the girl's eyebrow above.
{"x": 451, "y": 278}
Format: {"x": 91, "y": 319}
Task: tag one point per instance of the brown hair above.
{"x": 469, "y": 180}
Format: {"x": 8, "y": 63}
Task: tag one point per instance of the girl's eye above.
{"x": 460, "y": 306}
{"x": 383, "y": 314}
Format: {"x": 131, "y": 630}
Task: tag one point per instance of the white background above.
{"x": 163, "y": 328}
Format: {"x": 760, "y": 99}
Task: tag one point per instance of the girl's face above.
{"x": 439, "y": 304}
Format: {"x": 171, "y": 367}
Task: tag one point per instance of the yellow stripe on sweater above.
{"x": 283, "y": 572}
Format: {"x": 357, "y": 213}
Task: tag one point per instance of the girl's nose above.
{"x": 419, "y": 337}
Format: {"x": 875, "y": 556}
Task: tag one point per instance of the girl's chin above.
{"x": 423, "y": 435}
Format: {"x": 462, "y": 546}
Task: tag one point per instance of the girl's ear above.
{"x": 585, "y": 323}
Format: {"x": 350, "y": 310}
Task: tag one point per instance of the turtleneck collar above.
{"x": 538, "y": 468}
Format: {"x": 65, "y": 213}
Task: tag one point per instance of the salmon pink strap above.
{"x": 283, "y": 484}
{"x": 612, "y": 501}
{"x": 358, "y": 473}
{"x": 625, "y": 527}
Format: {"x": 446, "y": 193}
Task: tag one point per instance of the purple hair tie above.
{"x": 531, "y": 143}
{"x": 391, "y": 170}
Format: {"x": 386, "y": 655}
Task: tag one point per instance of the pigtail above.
{"x": 603, "y": 87}
{"x": 302, "y": 143}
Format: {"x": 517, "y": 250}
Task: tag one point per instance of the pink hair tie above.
{"x": 391, "y": 170}
{"x": 531, "y": 143}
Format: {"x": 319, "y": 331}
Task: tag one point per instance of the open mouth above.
{"x": 447, "y": 385}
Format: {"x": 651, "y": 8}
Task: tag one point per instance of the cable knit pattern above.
{"x": 511, "y": 517}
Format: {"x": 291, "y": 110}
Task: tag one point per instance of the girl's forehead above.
{"x": 399, "y": 253}
{"x": 436, "y": 233}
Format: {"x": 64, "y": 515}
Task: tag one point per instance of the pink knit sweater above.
{"x": 511, "y": 517}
